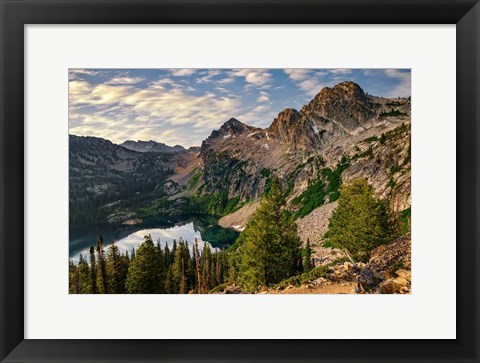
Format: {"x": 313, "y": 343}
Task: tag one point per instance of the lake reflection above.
{"x": 164, "y": 235}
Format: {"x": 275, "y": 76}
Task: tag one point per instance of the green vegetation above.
{"x": 218, "y": 236}
{"x": 303, "y": 278}
{"x": 193, "y": 182}
{"x": 328, "y": 185}
{"x": 307, "y": 257}
{"x": 265, "y": 172}
{"x": 371, "y": 139}
{"x": 145, "y": 271}
{"x": 361, "y": 221}
{"x": 405, "y": 221}
{"x": 270, "y": 251}
{"x": 393, "y": 113}
{"x": 310, "y": 199}
{"x": 394, "y": 103}
{"x": 149, "y": 270}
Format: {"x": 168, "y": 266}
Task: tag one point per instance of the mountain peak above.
{"x": 231, "y": 127}
{"x": 345, "y": 103}
{"x": 346, "y": 88}
{"x": 283, "y": 123}
{"x": 233, "y": 123}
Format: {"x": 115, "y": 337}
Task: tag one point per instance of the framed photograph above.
{"x": 315, "y": 161}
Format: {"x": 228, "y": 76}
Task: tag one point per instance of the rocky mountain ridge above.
{"x": 151, "y": 146}
{"x": 298, "y": 146}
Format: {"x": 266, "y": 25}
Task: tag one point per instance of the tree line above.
{"x": 267, "y": 252}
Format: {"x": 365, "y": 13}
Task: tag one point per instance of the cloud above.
{"x": 125, "y": 80}
{"x": 263, "y": 97}
{"x": 225, "y": 81}
{"x": 88, "y": 72}
{"x": 208, "y": 75}
{"x": 117, "y": 111}
{"x": 306, "y": 79}
{"x": 298, "y": 74}
{"x": 161, "y": 83}
{"x": 182, "y": 72}
{"x": 258, "y": 77}
{"x": 341, "y": 71}
{"x": 311, "y": 86}
{"x": 82, "y": 93}
{"x": 404, "y": 87}
{"x": 258, "y": 116}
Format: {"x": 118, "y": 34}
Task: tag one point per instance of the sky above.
{"x": 183, "y": 106}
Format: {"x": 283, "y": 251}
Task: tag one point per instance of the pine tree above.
{"x": 132, "y": 257}
{"x": 145, "y": 271}
{"x": 206, "y": 267}
{"x": 93, "y": 271}
{"x": 166, "y": 256}
{"x": 168, "y": 283}
{"x": 84, "y": 276}
{"x": 178, "y": 267}
{"x": 117, "y": 268}
{"x": 198, "y": 267}
{"x": 307, "y": 258}
{"x": 271, "y": 248}
{"x": 102, "y": 279}
{"x": 73, "y": 279}
{"x": 361, "y": 221}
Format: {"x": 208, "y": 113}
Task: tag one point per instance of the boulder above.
{"x": 407, "y": 275}
{"x": 393, "y": 286}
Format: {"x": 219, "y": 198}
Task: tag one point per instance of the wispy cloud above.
{"x": 183, "y": 72}
{"x": 183, "y": 106}
{"x": 404, "y": 88}
{"x": 298, "y": 74}
{"x": 263, "y": 97}
{"x": 125, "y": 80}
{"x": 307, "y": 80}
{"x": 258, "y": 77}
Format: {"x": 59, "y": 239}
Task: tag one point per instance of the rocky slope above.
{"x": 104, "y": 178}
{"x": 370, "y": 134}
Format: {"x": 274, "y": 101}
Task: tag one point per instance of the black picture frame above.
{"x": 15, "y": 14}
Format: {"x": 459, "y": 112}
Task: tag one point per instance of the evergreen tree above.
{"x": 102, "y": 279}
{"x": 206, "y": 267}
{"x": 307, "y": 258}
{"x": 198, "y": 267}
{"x": 166, "y": 256}
{"x": 117, "y": 267}
{"x": 84, "y": 276}
{"x": 271, "y": 248}
{"x": 361, "y": 221}
{"x": 168, "y": 283}
{"x": 73, "y": 279}
{"x": 93, "y": 271}
{"x": 133, "y": 254}
{"x": 145, "y": 271}
{"x": 179, "y": 266}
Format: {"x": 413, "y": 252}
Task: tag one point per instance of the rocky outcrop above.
{"x": 388, "y": 270}
{"x": 387, "y": 259}
{"x": 283, "y": 125}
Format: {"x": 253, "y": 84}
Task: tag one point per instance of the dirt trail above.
{"x": 336, "y": 288}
